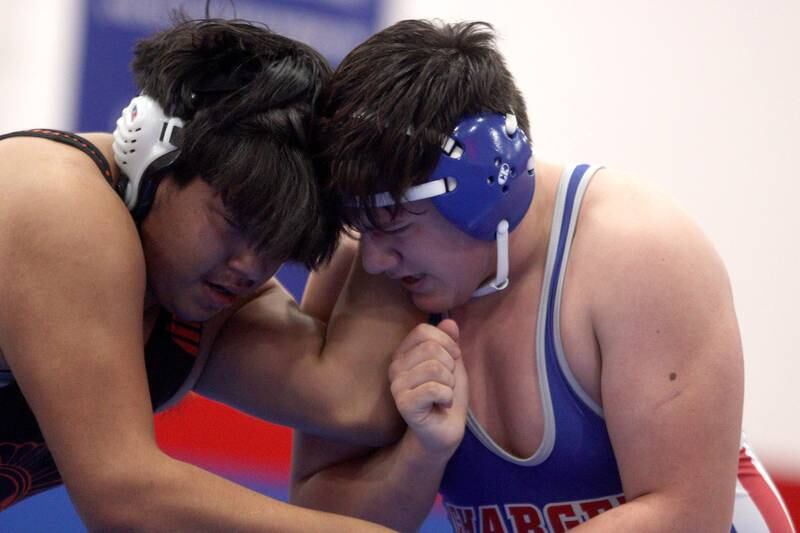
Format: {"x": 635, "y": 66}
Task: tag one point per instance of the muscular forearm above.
{"x": 658, "y": 513}
{"x": 394, "y": 486}
{"x": 274, "y": 363}
{"x": 175, "y": 496}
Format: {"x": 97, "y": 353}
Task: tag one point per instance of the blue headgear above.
{"x": 483, "y": 183}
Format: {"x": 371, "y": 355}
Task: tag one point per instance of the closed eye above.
{"x": 396, "y": 230}
{"x": 366, "y": 228}
{"x": 232, "y": 224}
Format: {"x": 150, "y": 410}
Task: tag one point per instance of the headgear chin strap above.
{"x": 145, "y": 141}
{"x": 483, "y": 184}
{"x": 500, "y": 281}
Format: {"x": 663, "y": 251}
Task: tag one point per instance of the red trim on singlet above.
{"x": 762, "y": 494}
{"x": 180, "y": 330}
{"x": 74, "y": 138}
{"x": 186, "y": 335}
{"x": 789, "y": 487}
{"x": 21, "y": 468}
{"x": 187, "y": 347}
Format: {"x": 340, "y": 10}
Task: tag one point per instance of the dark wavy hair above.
{"x": 395, "y": 96}
{"x": 249, "y": 97}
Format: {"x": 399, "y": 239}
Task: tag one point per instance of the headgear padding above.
{"x": 484, "y": 176}
{"x": 145, "y": 141}
{"x": 493, "y": 179}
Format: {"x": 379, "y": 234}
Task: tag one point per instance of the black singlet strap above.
{"x": 71, "y": 139}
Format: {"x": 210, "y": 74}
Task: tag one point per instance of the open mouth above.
{"x": 220, "y": 297}
{"x": 221, "y": 289}
{"x": 410, "y": 281}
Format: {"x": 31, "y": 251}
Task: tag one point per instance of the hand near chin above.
{"x": 429, "y": 385}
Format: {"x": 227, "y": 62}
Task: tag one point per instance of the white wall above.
{"x": 40, "y": 43}
{"x": 703, "y": 97}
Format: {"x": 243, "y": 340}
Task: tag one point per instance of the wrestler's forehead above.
{"x": 382, "y": 215}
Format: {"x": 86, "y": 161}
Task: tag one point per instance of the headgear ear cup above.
{"x": 493, "y": 175}
{"x": 145, "y": 141}
{"x": 484, "y": 175}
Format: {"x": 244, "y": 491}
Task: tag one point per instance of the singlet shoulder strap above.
{"x": 569, "y": 199}
{"x": 71, "y": 139}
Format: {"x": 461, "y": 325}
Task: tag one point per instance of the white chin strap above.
{"x": 500, "y": 280}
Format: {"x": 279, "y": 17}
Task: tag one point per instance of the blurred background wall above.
{"x": 701, "y": 98}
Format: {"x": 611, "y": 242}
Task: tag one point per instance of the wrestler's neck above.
{"x": 528, "y": 242}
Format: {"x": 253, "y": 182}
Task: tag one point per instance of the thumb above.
{"x": 450, "y": 327}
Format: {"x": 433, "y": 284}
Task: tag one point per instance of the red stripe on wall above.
{"x": 210, "y": 434}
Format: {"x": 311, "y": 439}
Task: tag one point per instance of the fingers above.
{"x": 415, "y": 404}
{"x": 445, "y": 335}
{"x": 429, "y": 350}
{"x": 422, "y": 379}
{"x": 428, "y": 383}
{"x": 431, "y": 370}
{"x": 422, "y": 371}
{"x": 450, "y": 327}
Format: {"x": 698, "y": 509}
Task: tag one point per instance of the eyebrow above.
{"x": 402, "y": 219}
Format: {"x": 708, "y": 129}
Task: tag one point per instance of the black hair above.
{"x": 394, "y": 97}
{"x": 248, "y": 97}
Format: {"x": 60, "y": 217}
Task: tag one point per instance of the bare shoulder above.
{"x": 72, "y": 264}
{"x": 46, "y": 179}
{"x": 642, "y": 254}
{"x": 634, "y": 225}
{"x": 57, "y": 212}
{"x": 631, "y": 204}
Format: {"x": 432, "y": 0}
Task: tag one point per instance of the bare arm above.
{"x": 672, "y": 373}
{"x": 71, "y": 331}
{"x": 396, "y": 485}
{"x": 272, "y": 360}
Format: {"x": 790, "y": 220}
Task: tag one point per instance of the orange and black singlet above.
{"x": 26, "y": 466}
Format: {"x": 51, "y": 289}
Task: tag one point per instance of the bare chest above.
{"x": 501, "y": 350}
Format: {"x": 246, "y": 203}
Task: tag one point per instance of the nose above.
{"x": 377, "y": 254}
{"x": 253, "y": 267}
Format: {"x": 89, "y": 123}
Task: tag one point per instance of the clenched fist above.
{"x": 429, "y": 385}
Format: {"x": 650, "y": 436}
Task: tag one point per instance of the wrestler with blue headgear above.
{"x": 593, "y": 319}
